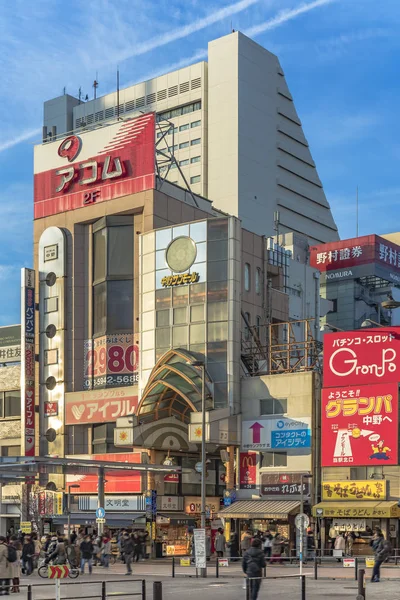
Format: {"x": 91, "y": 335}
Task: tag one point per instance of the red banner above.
{"x": 362, "y": 357}
{"x": 171, "y": 478}
{"x": 99, "y": 406}
{"x": 248, "y": 470}
{"x": 111, "y": 360}
{"x": 120, "y": 482}
{"x": 360, "y": 425}
{"x": 95, "y": 166}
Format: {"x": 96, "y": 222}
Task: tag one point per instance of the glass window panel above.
{"x": 195, "y": 124}
{"x": 217, "y": 311}
{"x": 201, "y": 253}
{"x": 163, "y": 298}
{"x": 198, "y": 231}
{"x": 99, "y": 309}
{"x": 217, "y": 271}
{"x": 197, "y": 293}
{"x": 217, "y": 371}
{"x": 162, "y": 318}
{"x": 99, "y": 255}
{"x": 217, "y": 331}
{"x": 148, "y": 321}
{"x": 195, "y": 142}
{"x": 12, "y": 403}
{"x": 217, "y": 352}
{"x": 217, "y": 229}
{"x": 183, "y": 127}
{"x": 201, "y": 269}
{"x": 180, "y": 316}
{"x": 184, "y": 145}
{"x": 148, "y": 242}
{"x": 147, "y": 340}
{"x": 258, "y": 280}
{"x": 267, "y": 459}
{"x": 120, "y": 251}
{"x": 218, "y": 250}
{"x": 160, "y": 260}
{"x": 180, "y": 296}
{"x": 195, "y": 159}
{"x": 280, "y": 459}
{"x": 280, "y": 406}
{"x": 197, "y": 334}
{"x": 180, "y": 231}
{"x": 163, "y": 338}
{"x": 160, "y": 276}
{"x": 220, "y": 395}
{"x": 197, "y": 313}
{"x": 199, "y": 349}
{"x": 179, "y": 336}
{"x": 195, "y": 179}
{"x": 184, "y": 163}
{"x": 163, "y": 238}
{"x": 119, "y": 306}
{"x": 217, "y": 291}
{"x": 148, "y": 282}
{"x": 247, "y": 277}
{"x": 246, "y": 329}
{"x": 267, "y": 406}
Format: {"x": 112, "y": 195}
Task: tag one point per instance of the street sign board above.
{"x": 100, "y": 521}
{"x": 58, "y": 571}
{"x": 25, "y": 526}
{"x": 100, "y": 513}
{"x": 302, "y": 517}
{"x": 200, "y": 548}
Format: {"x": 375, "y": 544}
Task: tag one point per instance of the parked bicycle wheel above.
{"x": 43, "y": 571}
{"x": 73, "y": 572}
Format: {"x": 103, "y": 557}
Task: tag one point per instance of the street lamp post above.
{"x": 301, "y": 545}
{"x": 73, "y": 485}
{"x": 201, "y": 365}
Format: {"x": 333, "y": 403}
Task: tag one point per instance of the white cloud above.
{"x": 21, "y": 137}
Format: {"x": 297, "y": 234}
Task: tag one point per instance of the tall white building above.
{"x": 236, "y": 135}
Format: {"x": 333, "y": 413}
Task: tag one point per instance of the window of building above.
{"x": 173, "y": 130}
{"x": 173, "y": 148}
{"x": 184, "y": 127}
{"x": 112, "y": 275}
{"x": 247, "y": 277}
{"x": 274, "y": 459}
{"x": 159, "y": 134}
{"x": 10, "y": 450}
{"x": 258, "y": 325}
{"x": 334, "y": 305}
{"x": 195, "y": 179}
{"x": 10, "y": 404}
{"x": 258, "y": 280}
{"x": 177, "y": 112}
{"x": 246, "y": 326}
{"x": 273, "y": 406}
{"x": 195, "y": 142}
{"x": 183, "y": 145}
{"x": 183, "y": 163}
{"x": 195, "y": 159}
{"x": 195, "y": 124}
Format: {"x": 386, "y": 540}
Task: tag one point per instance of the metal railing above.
{"x": 102, "y": 591}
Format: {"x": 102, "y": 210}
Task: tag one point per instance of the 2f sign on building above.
{"x": 362, "y": 357}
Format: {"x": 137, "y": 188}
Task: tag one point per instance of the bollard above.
{"x": 157, "y": 590}
{"x": 247, "y": 588}
{"x": 265, "y": 571}
{"x": 173, "y": 566}
{"x": 316, "y": 567}
{"x": 217, "y": 568}
{"x": 29, "y": 595}
{"x": 303, "y": 587}
{"x": 361, "y": 584}
{"x": 103, "y": 590}
{"x": 144, "y": 589}
{"x": 356, "y": 568}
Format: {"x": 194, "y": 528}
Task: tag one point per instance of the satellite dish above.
{"x": 51, "y": 435}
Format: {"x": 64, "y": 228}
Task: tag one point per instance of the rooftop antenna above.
{"x": 95, "y": 86}
{"x": 64, "y": 90}
{"x": 357, "y": 211}
{"x": 80, "y": 95}
{"x": 117, "y": 93}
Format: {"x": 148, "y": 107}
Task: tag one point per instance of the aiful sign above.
{"x": 94, "y": 166}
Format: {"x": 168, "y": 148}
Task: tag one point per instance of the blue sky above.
{"x": 340, "y": 59}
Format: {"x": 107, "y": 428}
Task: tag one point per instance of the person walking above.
{"x": 245, "y": 541}
{"x": 382, "y": 550}
{"x": 129, "y": 549}
{"x": 234, "y": 546}
{"x": 220, "y": 542}
{"x": 28, "y": 550}
{"x": 253, "y": 564}
{"x": 61, "y": 554}
{"x": 106, "y": 551}
{"x": 340, "y": 546}
{"x": 86, "y": 554}
{"x": 5, "y": 568}
{"x": 276, "y": 549}
{"x": 350, "y": 537}
{"x": 16, "y": 565}
{"x": 268, "y": 544}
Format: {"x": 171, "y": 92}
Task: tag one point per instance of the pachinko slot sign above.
{"x": 360, "y": 425}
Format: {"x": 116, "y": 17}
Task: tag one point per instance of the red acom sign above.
{"x": 95, "y": 166}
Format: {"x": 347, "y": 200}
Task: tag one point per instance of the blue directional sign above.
{"x": 100, "y": 513}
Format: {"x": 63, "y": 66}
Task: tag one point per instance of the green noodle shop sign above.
{"x": 181, "y": 279}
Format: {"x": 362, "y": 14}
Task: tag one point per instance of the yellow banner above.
{"x": 354, "y": 490}
{"x": 26, "y": 526}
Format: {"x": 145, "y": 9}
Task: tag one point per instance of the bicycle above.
{"x": 43, "y": 571}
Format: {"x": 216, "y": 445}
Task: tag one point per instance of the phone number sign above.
{"x": 110, "y": 361}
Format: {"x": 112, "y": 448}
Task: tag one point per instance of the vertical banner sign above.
{"x": 248, "y": 470}
{"x": 199, "y": 536}
{"x": 28, "y": 361}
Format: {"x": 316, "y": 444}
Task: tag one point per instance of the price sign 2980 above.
{"x": 111, "y": 361}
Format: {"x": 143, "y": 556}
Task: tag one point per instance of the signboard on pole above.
{"x": 28, "y": 363}
{"x": 199, "y": 536}
{"x": 10, "y": 343}
{"x": 248, "y": 470}
{"x": 276, "y": 433}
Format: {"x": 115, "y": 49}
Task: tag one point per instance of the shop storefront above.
{"x": 358, "y": 507}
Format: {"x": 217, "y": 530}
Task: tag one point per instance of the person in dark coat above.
{"x": 253, "y": 564}
{"x": 234, "y": 546}
{"x": 28, "y": 550}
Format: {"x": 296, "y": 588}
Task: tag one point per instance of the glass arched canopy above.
{"x": 174, "y": 388}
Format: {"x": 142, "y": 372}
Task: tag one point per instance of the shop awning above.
{"x": 361, "y": 510}
{"x": 260, "y": 509}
